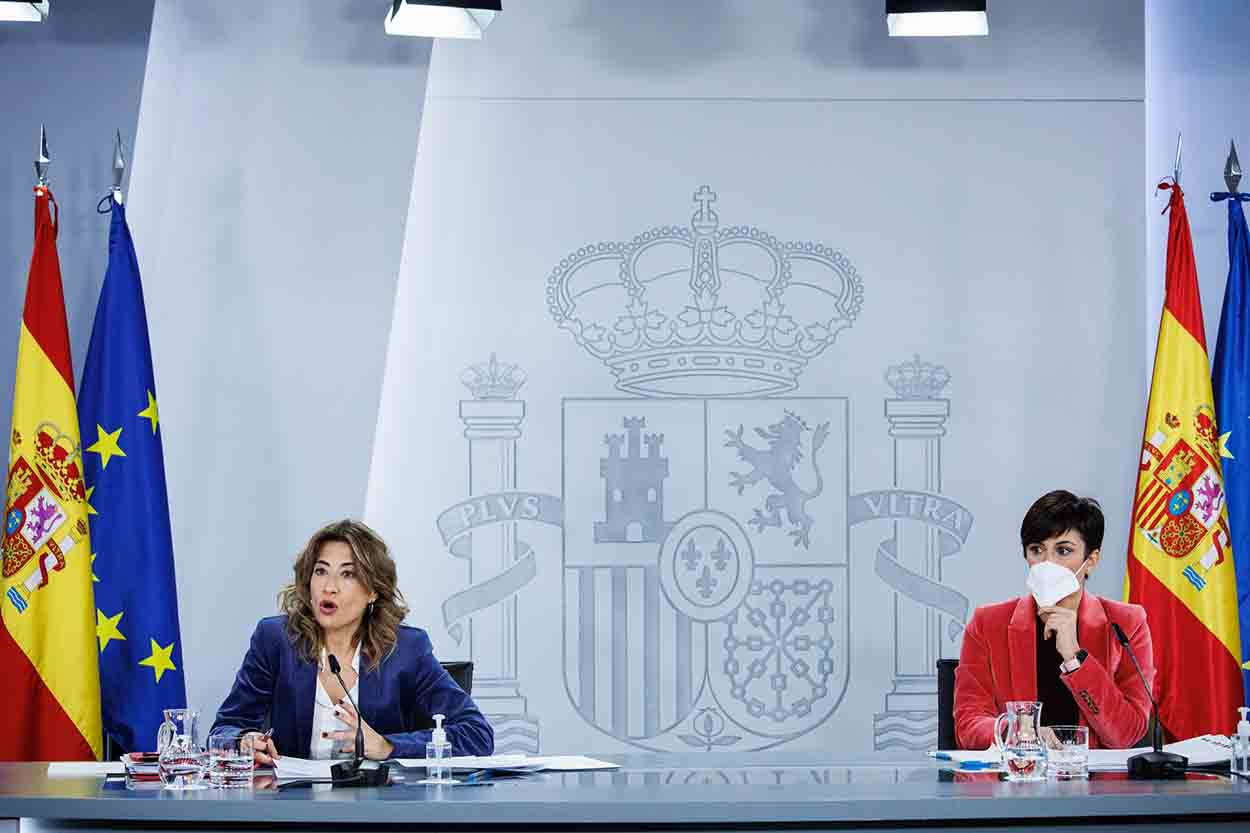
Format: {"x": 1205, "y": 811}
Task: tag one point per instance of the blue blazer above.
{"x": 276, "y": 687}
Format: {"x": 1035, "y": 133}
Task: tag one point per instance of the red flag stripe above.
{"x": 46, "y": 731}
{"x": 1184, "y": 650}
{"x": 1181, "y": 296}
{"x": 1156, "y": 502}
{"x": 44, "y": 314}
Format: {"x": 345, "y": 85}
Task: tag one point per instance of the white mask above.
{"x": 1049, "y": 583}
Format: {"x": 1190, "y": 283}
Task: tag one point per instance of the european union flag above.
{"x": 1231, "y": 382}
{"x": 133, "y": 553}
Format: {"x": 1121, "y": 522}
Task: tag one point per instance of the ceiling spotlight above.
{"x": 24, "y": 12}
{"x": 936, "y": 18}
{"x": 441, "y": 18}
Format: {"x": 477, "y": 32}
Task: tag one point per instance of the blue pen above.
{"x": 976, "y": 765}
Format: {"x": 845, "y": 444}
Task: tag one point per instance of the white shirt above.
{"x": 324, "y": 719}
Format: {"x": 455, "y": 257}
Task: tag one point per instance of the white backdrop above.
{"x": 974, "y": 204}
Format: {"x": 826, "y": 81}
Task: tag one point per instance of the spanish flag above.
{"x": 1180, "y": 561}
{"x": 50, "y": 682}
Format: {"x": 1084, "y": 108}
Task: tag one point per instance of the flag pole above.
{"x": 119, "y": 167}
{"x": 43, "y": 160}
{"x": 1232, "y": 178}
{"x": 1176, "y": 164}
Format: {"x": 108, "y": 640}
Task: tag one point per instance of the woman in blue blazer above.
{"x": 344, "y": 602}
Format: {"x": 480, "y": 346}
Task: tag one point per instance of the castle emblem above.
{"x": 633, "y": 486}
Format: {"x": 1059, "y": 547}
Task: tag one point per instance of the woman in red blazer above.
{"x": 1065, "y": 654}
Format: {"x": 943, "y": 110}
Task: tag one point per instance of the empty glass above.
{"x": 230, "y": 760}
{"x": 181, "y": 760}
{"x": 1067, "y": 751}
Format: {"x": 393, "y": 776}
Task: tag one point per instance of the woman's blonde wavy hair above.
{"x": 376, "y": 571}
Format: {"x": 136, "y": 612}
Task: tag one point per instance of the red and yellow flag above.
{"x": 50, "y": 681}
{"x": 1180, "y": 561}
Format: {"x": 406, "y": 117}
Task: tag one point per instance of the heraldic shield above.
{"x": 706, "y": 579}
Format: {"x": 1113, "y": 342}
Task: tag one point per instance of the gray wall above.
{"x": 986, "y": 193}
{"x": 1195, "y": 88}
{"x": 80, "y": 73}
{"x": 272, "y": 176}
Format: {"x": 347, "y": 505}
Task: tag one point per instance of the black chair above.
{"x": 946, "y": 703}
{"x": 462, "y": 673}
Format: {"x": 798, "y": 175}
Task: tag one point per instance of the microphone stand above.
{"x": 1154, "y": 765}
{"x": 359, "y": 772}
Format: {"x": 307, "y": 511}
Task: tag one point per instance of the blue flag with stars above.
{"x": 127, "y": 506}
{"x": 1231, "y": 384}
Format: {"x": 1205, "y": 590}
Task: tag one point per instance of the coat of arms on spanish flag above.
{"x": 1180, "y": 564}
{"x": 48, "y": 661}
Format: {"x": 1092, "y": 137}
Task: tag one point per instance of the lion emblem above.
{"x": 776, "y": 464}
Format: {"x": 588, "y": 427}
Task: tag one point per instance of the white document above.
{"x": 571, "y": 763}
{"x": 66, "y": 769}
{"x": 518, "y": 763}
{"x": 288, "y": 766}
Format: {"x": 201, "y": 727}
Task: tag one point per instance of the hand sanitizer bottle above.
{"x": 1239, "y": 762}
{"x": 438, "y": 750}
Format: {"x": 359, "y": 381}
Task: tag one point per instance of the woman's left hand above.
{"x": 1061, "y": 622}
{"x": 377, "y": 748}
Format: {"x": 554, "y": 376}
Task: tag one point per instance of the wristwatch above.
{"x": 1070, "y": 665}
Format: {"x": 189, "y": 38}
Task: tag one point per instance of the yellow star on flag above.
{"x": 160, "y": 661}
{"x": 150, "y": 413}
{"x": 94, "y": 577}
{"x": 106, "y": 445}
{"x": 90, "y": 508}
{"x": 1224, "y": 452}
{"x": 106, "y": 628}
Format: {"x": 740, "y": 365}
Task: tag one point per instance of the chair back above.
{"x": 946, "y": 703}
{"x": 462, "y": 673}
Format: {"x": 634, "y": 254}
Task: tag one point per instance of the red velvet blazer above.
{"x": 998, "y": 662}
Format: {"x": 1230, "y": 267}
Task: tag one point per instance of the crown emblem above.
{"x": 56, "y": 456}
{"x": 917, "y": 380}
{"x": 493, "y": 379}
{"x": 705, "y": 310}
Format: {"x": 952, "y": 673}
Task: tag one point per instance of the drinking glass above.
{"x": 1067, "y": 752}
{"x": 230, "y": 760}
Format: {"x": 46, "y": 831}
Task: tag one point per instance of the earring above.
{"x": 369, "y": 609}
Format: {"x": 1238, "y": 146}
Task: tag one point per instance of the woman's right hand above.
{"x": 264, "y": 751}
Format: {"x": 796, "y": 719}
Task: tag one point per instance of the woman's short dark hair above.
{"x": 1054, "y": 513}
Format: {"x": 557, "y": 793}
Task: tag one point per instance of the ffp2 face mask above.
{"x": 1048, "y": 582}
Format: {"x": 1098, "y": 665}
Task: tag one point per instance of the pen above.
{"x": 965, "y": 765}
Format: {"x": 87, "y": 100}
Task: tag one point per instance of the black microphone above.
{"x": 335, "y": 669}
{"x": 359, "y": 772}
{"x": 1156, "y": 764}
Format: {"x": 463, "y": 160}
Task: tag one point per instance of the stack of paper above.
{"x": 291, "y": 767}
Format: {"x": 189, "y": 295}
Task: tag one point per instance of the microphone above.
{"x": 1157, "y": 764}
{"x": 359, "y": 772}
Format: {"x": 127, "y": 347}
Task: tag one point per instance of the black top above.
{"x": 1058, "y": 704}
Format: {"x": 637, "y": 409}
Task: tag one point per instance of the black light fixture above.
{"x": 936, "y": 18}
{"x": 441, "y": 18}
{"x": 23, "y": 12}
